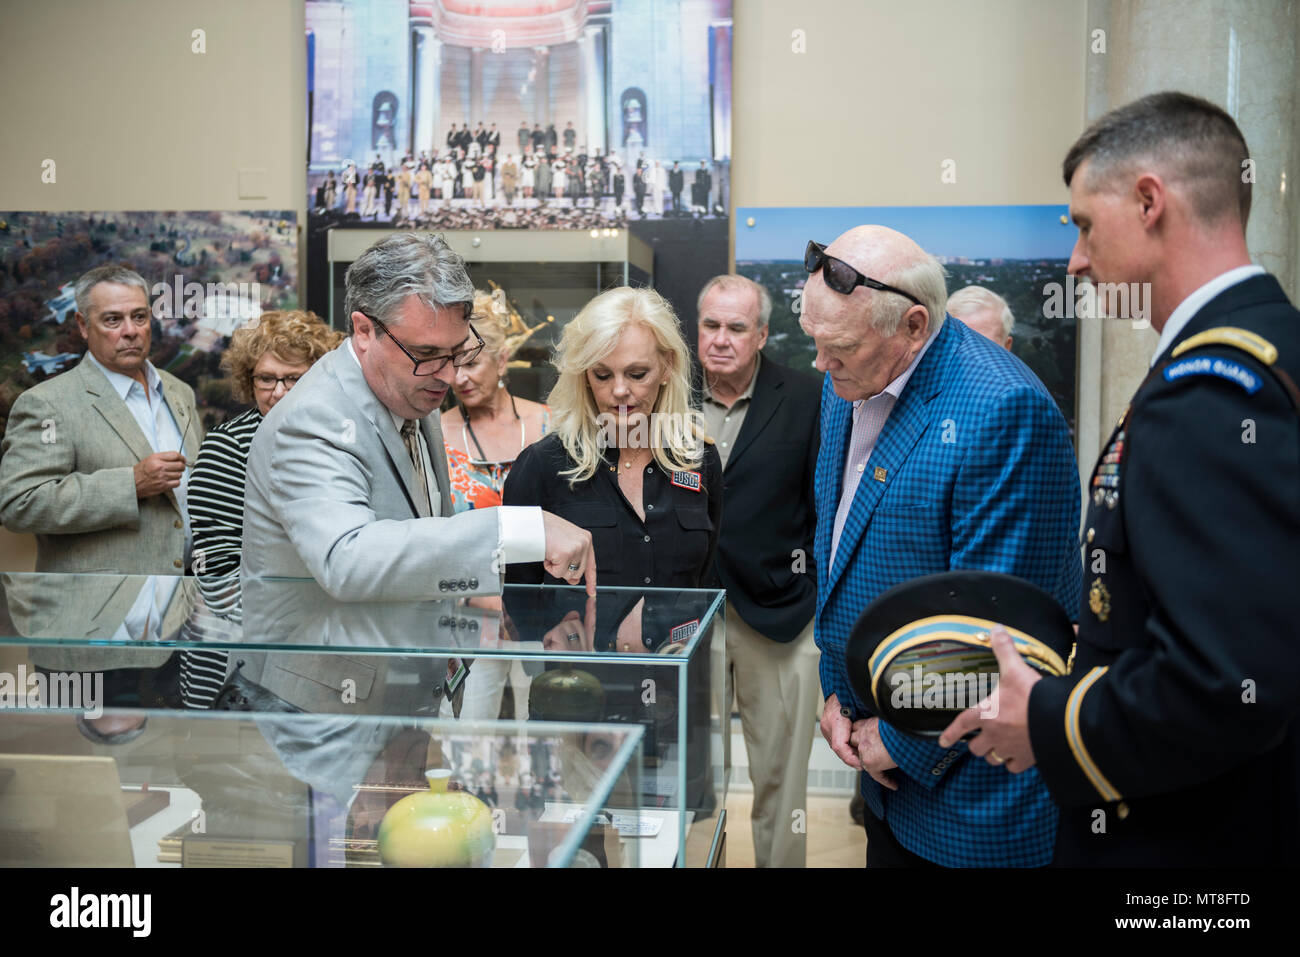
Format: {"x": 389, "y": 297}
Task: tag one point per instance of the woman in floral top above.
{"x": 481, "y": 450}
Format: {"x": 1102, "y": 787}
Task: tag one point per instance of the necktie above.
{"x": 412, "y": 442}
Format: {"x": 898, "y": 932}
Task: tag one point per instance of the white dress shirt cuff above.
{"x": 522, "y": 534}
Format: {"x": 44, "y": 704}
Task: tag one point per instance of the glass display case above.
{"x": 276, "y": 646}
{"x": 111, "y": 787}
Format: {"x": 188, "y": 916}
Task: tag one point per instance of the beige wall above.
{"x": 110, "y": 90}
{"x": 887, "y": 91}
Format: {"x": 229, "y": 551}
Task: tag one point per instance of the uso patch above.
{"x": 683, "y": 631}
{"x": 1215, "y": 366}
{"x": 690, "y": 480}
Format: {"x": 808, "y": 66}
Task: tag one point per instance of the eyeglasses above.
{"x": 267, "y": 383}
{"x": 438, "y": 363}
{"x": 842, "y": 277}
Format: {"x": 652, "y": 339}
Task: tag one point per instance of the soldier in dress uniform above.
{"x": 1174, "y": 740}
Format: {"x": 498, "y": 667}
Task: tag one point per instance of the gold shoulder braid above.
{"x": 1242, "y": 339}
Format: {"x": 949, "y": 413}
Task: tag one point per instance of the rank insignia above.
{"x": 1099, "y": 600}
{"x": 690, "y": 480}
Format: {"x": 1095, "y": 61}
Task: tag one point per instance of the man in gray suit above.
{"x": 95, "y": 459}
{"x": 347, "y": 475}
{"x": 360, "y": 675}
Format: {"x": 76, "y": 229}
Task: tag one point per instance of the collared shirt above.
{"x": 1190, "y": 306}
{"x": 521, "y": 532}
{"x": 156, "y": 421}
{"x": 724, "y": 423}
{"x": 672, "y": 544}
{"x": 144, "y": 620}
{"x": 869, "y": 416}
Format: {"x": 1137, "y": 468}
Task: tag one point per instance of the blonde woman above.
{"x": 489, "y": 427}
{"x": 626, "y": 458}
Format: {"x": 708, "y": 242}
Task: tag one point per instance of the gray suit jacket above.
{"x": 66, "y": 475}
{"x": 361, "y": 675}
{"x": 330, "y": 496}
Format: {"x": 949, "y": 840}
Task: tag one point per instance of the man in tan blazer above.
{"x": 94, "y": 460}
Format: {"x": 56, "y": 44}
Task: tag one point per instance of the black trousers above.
{"x": 883, "y": 849}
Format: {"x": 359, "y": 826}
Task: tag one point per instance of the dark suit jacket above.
{"x": 1179, "y": 718}
{"x": 768, "y": 488}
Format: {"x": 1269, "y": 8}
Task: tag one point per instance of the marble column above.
{"x": 591, "y": 47}
{"x": 542, "y": 85}
{"x": 1242, "y": 55}
{"x": 426, "y": 92}
{"x": 720, "y": 33}
{"x": 476, "y": 88}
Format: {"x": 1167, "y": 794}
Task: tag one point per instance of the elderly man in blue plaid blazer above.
{"x": 939, "y": 451}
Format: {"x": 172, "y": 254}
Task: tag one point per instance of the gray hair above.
{"x": 118, "y": 274}
{"x": 1190, "y": 140}
{"x": 924, "y": 279}
{"x": 734, "y": 282}
{"x": 401, "y": 265}
{"x": 975, "y": 299}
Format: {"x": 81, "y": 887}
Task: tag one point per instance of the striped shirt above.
{"x": 216, "y": 494}
{"x": 216, "y": 506}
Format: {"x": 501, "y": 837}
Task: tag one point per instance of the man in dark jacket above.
{"x": 763, "y": 419}
{"x": 639, "y": 187}
{"x": 676, "y": 180}
{"x": 701, "y": 187}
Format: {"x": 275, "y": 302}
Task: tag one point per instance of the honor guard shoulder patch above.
{"x": 690, "y": 480}
{"x": 1220, "y": 366}
{"x": 683, "y": 631}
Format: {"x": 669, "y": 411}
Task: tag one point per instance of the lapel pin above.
{"x": 879, "y": 474}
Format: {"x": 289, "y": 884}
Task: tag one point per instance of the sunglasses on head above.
{"x": 841, "y": 277}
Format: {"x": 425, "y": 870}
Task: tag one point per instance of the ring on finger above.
{"x": 995, "y": 757}
{"x": 574, "y": 566}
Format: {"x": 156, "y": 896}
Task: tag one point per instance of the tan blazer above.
{"x": 81, "y": 609}
{"x": 66, "y": 475}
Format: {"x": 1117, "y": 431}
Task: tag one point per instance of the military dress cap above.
{"x": 921, "y": 653}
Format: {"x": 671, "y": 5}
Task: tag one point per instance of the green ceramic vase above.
{"x": 437, "y": 828}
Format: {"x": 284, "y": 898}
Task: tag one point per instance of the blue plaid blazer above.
{"x": 980, "y": 473}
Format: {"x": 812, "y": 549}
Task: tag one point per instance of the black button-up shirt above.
{"x": 673, "y": 547}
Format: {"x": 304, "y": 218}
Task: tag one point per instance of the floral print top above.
{"x": 478, "y": 484}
